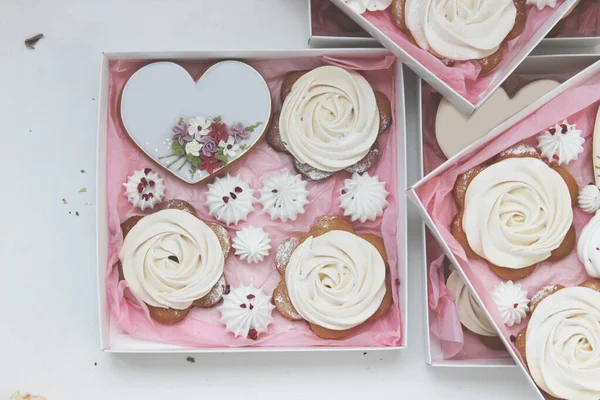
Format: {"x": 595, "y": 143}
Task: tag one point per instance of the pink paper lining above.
{"x": 202, "y": 327}
{"x": 322, "y": 24}
{"x": 578, "y": 105}
{"x": 444, "y": 323}
{"x": 463, "y": 77}
{"x": 582, "y": 22}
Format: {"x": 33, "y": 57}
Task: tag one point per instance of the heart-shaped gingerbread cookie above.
{"x": 454, "y": 131}
{"x": 196, "y": 127}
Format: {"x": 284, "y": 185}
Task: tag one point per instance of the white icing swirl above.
{"x": 512, "y": 302}
{"x": 561, "y": 144}
{"x": 336, "y": 280}
{"x": 470, "y": 313}
{"x": 171, "y": 258}
{"x": 246, "y": 308}
{"x": 330, "y": 119}
{"x": 517, "y": 211}
{"x": 588, "y": 247}
{"x": 563, "y": 344}
{"x": 460, "y": 29}
{"x": 540, "y": 4}
{"x": 252, "y": 244}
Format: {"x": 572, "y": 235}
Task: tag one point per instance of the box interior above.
{"x": 112, "y": 338}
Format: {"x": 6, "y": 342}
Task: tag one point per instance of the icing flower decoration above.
{"x": 512, "y": 302}
{"x": 561, "y": 144}
{"x": 230, "y": 147}
{"x": 180, "y": 134}
{"x": 193, "y": 148}
{"x": 199, "y": 126}
{"x": 206, "y": 144}
{"x": 218, "y": 130}
{"x": 239, "y": 132}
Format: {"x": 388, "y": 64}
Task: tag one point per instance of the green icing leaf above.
{"x": 177, "y": 148}
{"x": 221, "y": 157}
{"x": 252, "y": 127}
{"x": 218, "y": 119}
{"x": 180, "y": 122}
{"x": 244, "y": 147}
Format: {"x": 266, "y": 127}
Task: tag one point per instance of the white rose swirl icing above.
{"x": 460, "y": 29}
{"x": 517, "y": 211}
{"x": 171, "y": 258}
{"x": 588, "y": 247}
{"x": 470, "y": 313}
{"x": 330, "y": 119}
{"x": 336, "y": 280}
{"x": 563, "y": 344}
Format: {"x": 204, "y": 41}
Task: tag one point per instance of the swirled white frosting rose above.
{"x": 336, "y": 280}
{"x": 330, "y": 119}
{"x": 517, "y": 211}
{"x": 171, "y": 258}
{"x": 563, "y": 344}
{"x": 460, "y": 29}
{"x": 470, "y": 313}
{"x": 588, "y": 247}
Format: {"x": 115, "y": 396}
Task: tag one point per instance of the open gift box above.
{"x": 451, "y": 346}
{"x": 124, "y": 322}
{"x": 328, "y": 26}
{"x": 576, "y": 101}
{"x": 579, "y": 31}
{"x": 460, "y": 82}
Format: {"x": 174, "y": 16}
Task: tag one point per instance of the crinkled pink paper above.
{"x": 583, "y": 21}
{"x": 444, "y": 322}
{"x": 202, "y": 327}
{"x": 323, "y": 25}
{"x": 578, "y": 105}
{"x": 463, "y": 77}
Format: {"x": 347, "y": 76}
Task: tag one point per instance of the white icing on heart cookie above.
{"x": 194, "y": 128}
{"x": 455, "y": 131}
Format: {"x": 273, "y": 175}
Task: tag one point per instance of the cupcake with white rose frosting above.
{"x": 515, "y": 213}
{"x": 173, "y": 261}
{"x": 471, "y": 314}
{"x": 329, "y": 121}
{"x": 560, "y": 343}
{"x": 461, "y": 30}
{"x": 333, "y": 278}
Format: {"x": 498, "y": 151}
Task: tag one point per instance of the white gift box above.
{"x": 541, "y": 67}
{"x": 113, "y": 339}
{"x": 459, "y": 101}
{"x": 328, "y": 41}
{"x": 533, "y": 65}
{"x": 574, "y": 44}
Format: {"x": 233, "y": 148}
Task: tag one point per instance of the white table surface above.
{"x": 49, "y": 339}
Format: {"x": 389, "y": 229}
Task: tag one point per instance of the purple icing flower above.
{"x": 180, "y": 134}
{"x": 239, "y": 132}
{"x": 210, "y": 146}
